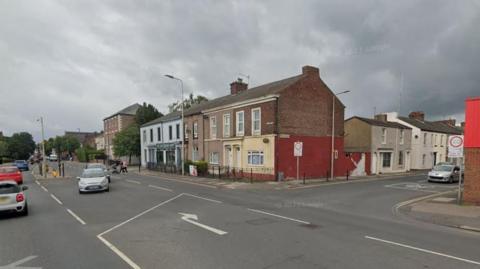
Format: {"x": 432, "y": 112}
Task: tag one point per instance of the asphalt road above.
{"x": 149, "y": 222}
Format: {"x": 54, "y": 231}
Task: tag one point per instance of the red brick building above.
{"x": 472, "y": 152}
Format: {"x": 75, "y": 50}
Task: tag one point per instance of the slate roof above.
{"x": 429, "y": 126}
{"x": 129, "y": 110}
{"x": 256, "y": 92}
{"x": 374, "y": 122}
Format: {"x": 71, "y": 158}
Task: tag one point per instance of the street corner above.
{"x": 444, "y": 210}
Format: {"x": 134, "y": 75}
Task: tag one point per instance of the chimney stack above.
{"x": 238, "y": 86}
{"x": 417, "y": 115}
{"x": 381, "y": 117}
{"x": 310, "y": 70}
{"x": 450, "y": 122}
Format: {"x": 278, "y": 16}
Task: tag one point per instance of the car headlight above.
{"x": 104, "y": 181}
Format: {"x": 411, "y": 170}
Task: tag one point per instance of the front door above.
{"x": 434, "y": 158}
{"x": 228, "y": 157}
{"x": 238, "y": 157}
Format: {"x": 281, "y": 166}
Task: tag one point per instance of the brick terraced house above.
{"x": 116, "y": 123}
{"x": 254, "y": 130}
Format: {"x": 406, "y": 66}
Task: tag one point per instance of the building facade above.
{"x": 116, "y": 123}
{"x": 100, "y": 141}
{"x": 429, "y": 139}
{"x": 377, "y": 145}
{"x": 161, "y": 140}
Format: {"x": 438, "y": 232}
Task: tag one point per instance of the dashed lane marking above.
{"x": 278, "y": 216}
{"x": 422, "y": 250}
{"x": 56, "y": 199}
{"x": 133, "y": 181}
{"x": 76, "y": 217}
{"x": 160, "y": 188}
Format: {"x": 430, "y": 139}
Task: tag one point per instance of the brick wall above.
{"x": 471, "y": 194}
{"x": 305, "y": 108}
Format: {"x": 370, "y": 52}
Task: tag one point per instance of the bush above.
{"x": 202, "y": 167}
{"x": 186, "y": 166}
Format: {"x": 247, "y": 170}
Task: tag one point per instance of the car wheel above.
{"x": 25, "y": 210}
{"x": 450, "y": 180}
{"x": 80, "y": 192}
{"x": 107, "y": 190}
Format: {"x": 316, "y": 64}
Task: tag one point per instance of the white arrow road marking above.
{"x": 191, "y": 219}
{"x": 22, "y": 261}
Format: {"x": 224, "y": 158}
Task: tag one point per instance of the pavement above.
{"x": 163, "y": 222}
{"x": 444, "y": 210}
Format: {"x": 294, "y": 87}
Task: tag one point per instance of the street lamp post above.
{"x": 333, "y": 133}
{"x": 182, "y": 124}
{"x": 43, "y": 148}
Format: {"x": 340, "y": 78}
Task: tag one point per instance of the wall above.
{"x": 471, "y": 193}
{"x": 305, "y": 108}
{"x": 392, "y": 145}
{"x": 315, "y": 162}
{"x": 358, "y": 136}
{"x": 191, "y": 141}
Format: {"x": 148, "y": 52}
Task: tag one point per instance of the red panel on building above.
{"x": 472, "y": 123}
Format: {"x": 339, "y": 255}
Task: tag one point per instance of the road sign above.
{"x": 298, "y": 149}
{"x": 455, "y": 146}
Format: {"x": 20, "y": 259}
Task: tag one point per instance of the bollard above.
{"x": 139, "y": 165}
{"x": 63, "y": 169}
{"x": 347, "y": 174}
{"x": 303, "y": 178}
{"x": 251, "y": 175}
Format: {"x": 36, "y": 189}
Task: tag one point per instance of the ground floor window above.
{"x": 387, "y": 157}
{"x": 195, "y": 154}
{"x": 170, "y": 157}
{"x": 213, "y": 158}
{"x": 255, "y": 157}
{"x": 400, "y": 158}
{"x": 423, "y": 159}
{"x": 160, "y": 156}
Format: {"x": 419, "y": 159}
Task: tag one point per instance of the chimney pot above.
{"x": 238, "y": 86}
{"x": 417, "y": 115}
{"x": 310, "y": 70}
{"x": 381, "y": 117}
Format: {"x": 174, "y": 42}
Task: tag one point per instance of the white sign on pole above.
{"x": 455, "y": 146}
{"x": 297, "y": 149}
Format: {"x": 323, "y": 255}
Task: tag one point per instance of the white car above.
{"x": 444, "y": 173}
{"x": 93, "y": 180}
{"x": 101, "y": 166}
{"x": 53, "y": 158}
{"x": 12, "y": 197}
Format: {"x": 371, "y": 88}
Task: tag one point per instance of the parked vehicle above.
{"x": 12, "y": 198}
{"x": 22, "y": 165}
{"x": 11, "y": 173}
{"x": 93, "y": 180}
{"x": 99, "y": 166}
{"x": 444, "y": 173}
{"x": 53, "y": 157}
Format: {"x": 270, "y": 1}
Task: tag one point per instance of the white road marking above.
{"x": 191, "y": 218}
{"x": 133, "y": 181}
{"x": 116, "y": 250}
{"x": 141, "y": 214}
{"x": 182, "y": 181}
{"x": 160, "y": 188}
{"x": 278, "y": 216}
{"x": 203, "y": 198}
{"x": 76, "y": 217}
{"x": 38, "y": 183}
{"x": 423, "y": 250}
{"x": 56, "y": 199}
{"x": 43, "y": 188}
{"x": 19, "y": 262}
{"x": 119, "y": 253}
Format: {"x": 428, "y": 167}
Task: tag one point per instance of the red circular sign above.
{"x": 456, "y": 141}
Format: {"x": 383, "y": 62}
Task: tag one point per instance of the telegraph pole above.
{"x": 43, "y": 149}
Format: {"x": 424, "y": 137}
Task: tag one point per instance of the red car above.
{"x": 11, "y": 173}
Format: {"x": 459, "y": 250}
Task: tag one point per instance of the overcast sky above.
{"x": 76, "y": 62}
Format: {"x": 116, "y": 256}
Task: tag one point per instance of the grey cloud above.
{"x": 75, "y": 62}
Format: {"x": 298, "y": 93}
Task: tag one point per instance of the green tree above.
{"x": 127, "y": 142}
{"x": 21, "y": 145}
{"x": 187, "y": 103}
{"x": 146, "y": 113}
{"x": 70, "y": 144}
{"x": 3, "y": 150}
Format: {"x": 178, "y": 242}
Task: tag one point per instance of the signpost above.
{"x": 455, "y": 150}
{"x": 298, "y": 152}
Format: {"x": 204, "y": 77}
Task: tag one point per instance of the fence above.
{"x": 222, "y": 172}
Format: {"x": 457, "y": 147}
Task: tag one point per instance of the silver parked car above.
{"x": 444, "y": 173}
{"x": 92, "y": 180}
{"x": 12, "y": 197}
{"x": 100, "y": 166}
